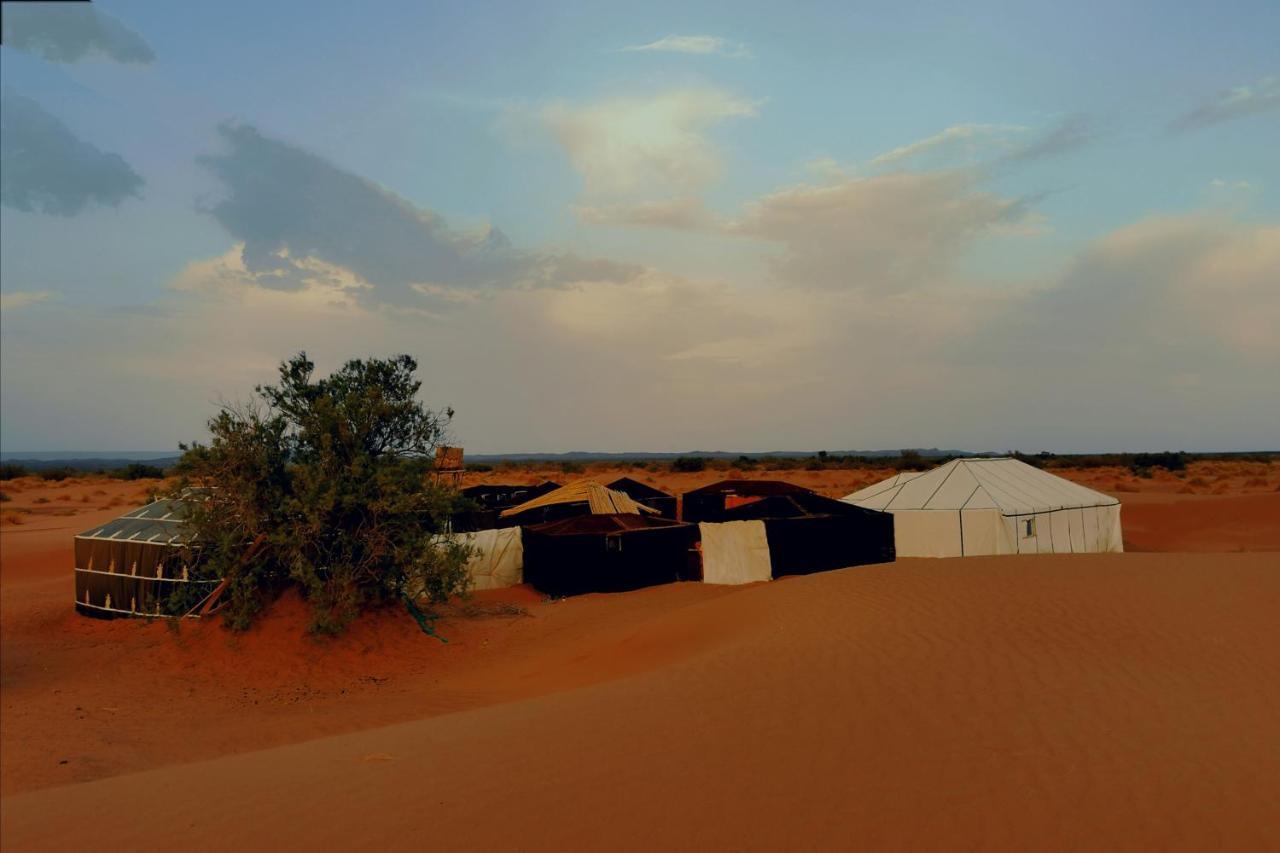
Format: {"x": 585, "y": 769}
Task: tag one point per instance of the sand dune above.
{"x": 1074, "y": 702}
{"x": 1117, "y": 701}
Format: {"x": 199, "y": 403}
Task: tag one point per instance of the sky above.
{"x": 661, "y": 226}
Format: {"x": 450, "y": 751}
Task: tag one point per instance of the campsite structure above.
{"x": 711, "y": 502}
{"x": 977, "y": 506}
{"x": 132, "y": 564}
{"x": 809, "y": 533}
{"x": 487, "y": 501}
{"x": 647, "y": 495}
{"x": 609, "y": 553}
{"x": 581, "y": 497}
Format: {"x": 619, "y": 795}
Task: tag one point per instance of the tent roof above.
{"x": 637, "y": 489}
{"x": 601, "y": 524}
{"x": 750, "y": 487}
{"x": 601, "y": 499}
{"x": 800, "y": 505}
{"x": 1008, "y": 485}
{"x": 163, "y": 522}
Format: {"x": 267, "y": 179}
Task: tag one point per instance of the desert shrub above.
{"x": 138, "y": 471}
{"x": 478, "y": 467}
{"x": 689, "y": 464}
{"x": 41, "y": 500}
{"x": 913, "y": 460}
{"x": 12, "y": 471}
{"x": 1167, "y": 461}
{"x": 746, "y": 463}
{"x": 325, "y": 484}
{"x": 4, "y": 497}
{"x": 572, "y": 468}
{"x": 56, "y": 474}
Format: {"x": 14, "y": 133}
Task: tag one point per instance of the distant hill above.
{"x": 107, "y": 460}
{"x": 593, "y": 456}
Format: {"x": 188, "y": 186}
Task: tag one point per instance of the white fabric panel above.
{"x": 915, "y": 493}
{"x": 1111, "y": 536}
{"x": 926, "y": 533}
{"x": 955, "y": 490}
{"x": 985, "y": 532}
{"x": 1060, "y": 531}
{"x": 499, "y": 558}
{"x": 734, "y": 552}
{"x": 878, "y": 495}
{"x": 1075, "y": 518}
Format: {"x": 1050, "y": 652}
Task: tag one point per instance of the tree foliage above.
{"x": 325, "y": 483}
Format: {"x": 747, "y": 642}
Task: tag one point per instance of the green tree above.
{"x": 326, "y": 484}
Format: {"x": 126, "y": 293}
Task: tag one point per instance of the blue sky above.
{"x": 649, "y": 226}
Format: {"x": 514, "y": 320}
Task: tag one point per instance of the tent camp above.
{"x": 647, "y": 495}
{"x": 608, "y": 553}
{"x": 486, "y": 501}
{"x": 583, "y": 497}
{"x": 709, "y": 503}
{"x": 993, "y": 506}
{"x": 497, "y": 558}
{"x": 131, "y": 564}
{"x": 808, "y": 533}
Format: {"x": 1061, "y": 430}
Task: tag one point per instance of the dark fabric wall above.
{"x": 126, "y": 571}
{"x": 811, "y": 533}
{"x": 818, "y": 543}
{"x": 576, "y": 563}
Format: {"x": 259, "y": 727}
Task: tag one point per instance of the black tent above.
{"x": 608, "y": 553}
{"x": 709, "y": 502}
{"x": 811, "y": 533}
{"x": 130, "y": 565}
{"x": 647, "y": 495}
{"x": 483, "y": 503}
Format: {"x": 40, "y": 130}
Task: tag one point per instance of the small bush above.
{"x": 572, "y": 468}
{"x": 1167, "y": 461}
{"x": 138, "y": 471}
{"x": 12, "y": 471}
{"x": 56, "y": 475}
{"x": 689, "y": 464}
{"x": 478, "y": 467}
{"x": 4, "y": 497}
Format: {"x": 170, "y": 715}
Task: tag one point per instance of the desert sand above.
{"x": 1124, "y": 701}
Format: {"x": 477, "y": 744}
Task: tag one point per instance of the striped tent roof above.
{"x": 1009, "y": 485}
{"x": 601, "y": 499}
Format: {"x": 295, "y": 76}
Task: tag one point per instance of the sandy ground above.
{"x": 1077, "y": 702}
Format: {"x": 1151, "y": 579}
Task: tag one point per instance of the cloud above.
{"x": 685, "y": 213}
{"x": 697, "y": 45}
{"x": 1239, "y": 102}
{"x": 897, "y": 231}
{"x": 1072, "y": 132}
{"x": 69, "y": 32}
{"x": 654, "y": 145}
{"x": 964, "y": 139}
{"x": 972, "y": 143}
{"x": 23, "y": 298}
{"x": 45, "y": 168}
{"x": 286, "y": 206}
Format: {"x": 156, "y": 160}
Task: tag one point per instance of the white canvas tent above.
{"x": 969, "y": 507}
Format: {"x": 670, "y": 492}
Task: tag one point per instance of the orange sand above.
{"x": 1074, "y": 702}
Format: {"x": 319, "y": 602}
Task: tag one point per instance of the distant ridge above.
{"x": 106, "y": 460}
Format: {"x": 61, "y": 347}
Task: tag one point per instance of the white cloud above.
{"x": 1239, "y": 102}
{"x": 23, "y": 298}
{"x": 888, "y": 232}
{"x": 963, "y": 139}
{"x": 698, "y": 45}
{"x": 645, "y": 146}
